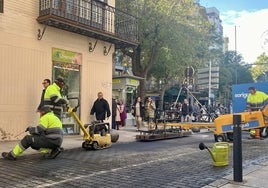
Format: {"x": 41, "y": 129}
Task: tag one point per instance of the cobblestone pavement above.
{"x": 166, "y": 164}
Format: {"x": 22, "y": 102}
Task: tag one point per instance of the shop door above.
{"x": 67, "y": 64}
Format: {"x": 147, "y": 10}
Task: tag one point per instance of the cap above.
{"x": 45, "y": 109}
{"x": 59, "y": 79}
{"x": 251, "y": 88}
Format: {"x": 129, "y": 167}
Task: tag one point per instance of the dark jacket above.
{"x": 101, "y": 108}
{"x": 41, "y": 100}
{"x": 142, "y": 110}
{"x": 186, "y": 109}
{"x": 114, "y": 107}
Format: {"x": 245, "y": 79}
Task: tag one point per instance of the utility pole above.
{"x": 235, "y": 42}
{"x": 209, "y": 84}
{"x": 235, "y": 56}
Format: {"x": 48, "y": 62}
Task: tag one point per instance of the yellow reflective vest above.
{"x": 53, "y": 99}
{"x": 257, "y": 100}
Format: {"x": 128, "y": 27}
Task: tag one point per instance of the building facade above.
{"x": 73, "y": 39}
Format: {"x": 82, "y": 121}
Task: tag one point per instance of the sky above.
{"x": 244, "y": 21}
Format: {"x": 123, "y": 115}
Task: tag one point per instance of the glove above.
{"x": 30, "y": 129}
{"x": 63, "y": 101}
{"x": 27, "y": 129}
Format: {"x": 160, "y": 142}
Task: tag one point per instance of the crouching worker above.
{"x": 46, "y": 137}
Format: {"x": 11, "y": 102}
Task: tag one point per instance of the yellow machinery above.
{"x": 249, "y": 120}
{"x": 166, "y": 130}
{"x": 98, "y": 136}
{"x": 222, "y": 126}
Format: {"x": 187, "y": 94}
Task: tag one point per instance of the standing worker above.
{"x": 53, "y": 98}
{"x": 45, "y": 83}
{"x": 101, "y": 108}
{"x": 256, "y": 100}
{"x": 47, "y": 136}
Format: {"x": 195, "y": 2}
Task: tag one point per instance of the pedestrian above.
{"x": 138, "y": 112}
{"x": 196, "y": 112}
{"x": 101, "y": 108}
{"x": 47, "y": 136}
{"x": 186, "y": 111}
{"x": 117, "y": 117}
{"x": 53, "y": 98}
{"x": 46, "y": 82}
{"x": 150, "y": 111}
{"x": 114, "y": 107}
{"x": 123, "y": 113}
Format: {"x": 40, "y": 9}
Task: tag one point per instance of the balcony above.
{"x": 90, "y": 18}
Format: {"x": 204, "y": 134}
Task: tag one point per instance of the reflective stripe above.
{"x": 17, "y": 150}
{"x": 44, "y": 150}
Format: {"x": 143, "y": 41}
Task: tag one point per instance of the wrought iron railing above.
{"x": 92, "y": 15}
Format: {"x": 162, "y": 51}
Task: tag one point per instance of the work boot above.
{"x": 54, "y": 153}
{"x": 8, "y": 156}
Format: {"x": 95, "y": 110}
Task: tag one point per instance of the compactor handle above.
{"x": 78, "y": 102}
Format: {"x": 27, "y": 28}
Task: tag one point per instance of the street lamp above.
{"x": 209, "y": 77}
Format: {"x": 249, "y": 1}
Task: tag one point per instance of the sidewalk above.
{"x": 254, "y": 177}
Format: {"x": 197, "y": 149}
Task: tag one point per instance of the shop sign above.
{"x": 64, "y": 56}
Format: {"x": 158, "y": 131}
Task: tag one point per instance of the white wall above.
{"x": 26, "y": 61}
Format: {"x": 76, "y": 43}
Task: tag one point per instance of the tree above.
{"x": 233, "y": 70}
{"x": 259, "y": 69}
{"x": 172, "y": 35}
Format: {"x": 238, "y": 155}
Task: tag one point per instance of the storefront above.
{"x": 67, "y": 64}
{"x": 125, "y": 88}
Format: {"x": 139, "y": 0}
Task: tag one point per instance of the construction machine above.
{"x": 249, "y": 120}
{"x": 97, "y": 134}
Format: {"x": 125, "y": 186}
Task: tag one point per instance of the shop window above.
{"x": 1, "y": 6}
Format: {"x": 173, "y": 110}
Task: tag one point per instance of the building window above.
{"x": 103, "y": 1}
{"x": 1, "y": 6}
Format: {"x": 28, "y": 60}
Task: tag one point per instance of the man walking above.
{"x": 100, "y": 108}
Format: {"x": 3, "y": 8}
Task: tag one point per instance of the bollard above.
{"x": 237, "y": 148}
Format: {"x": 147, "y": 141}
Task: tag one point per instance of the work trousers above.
{"x": 37, "y": 142}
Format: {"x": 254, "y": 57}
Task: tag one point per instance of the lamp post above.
{"x": 209, "y": 83}
{"x": 235, "y": 42}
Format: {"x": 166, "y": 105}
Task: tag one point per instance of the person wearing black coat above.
{"x": 101, "y": 108}
{"x": 46, "y": 82}
{"x": 186, "y": 111}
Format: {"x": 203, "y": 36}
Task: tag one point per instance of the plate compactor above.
{"x": 97, "y": 135}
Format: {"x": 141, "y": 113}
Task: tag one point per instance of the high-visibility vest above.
{"x": 52, "y": 99}
{"x": 257, "y": 100}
